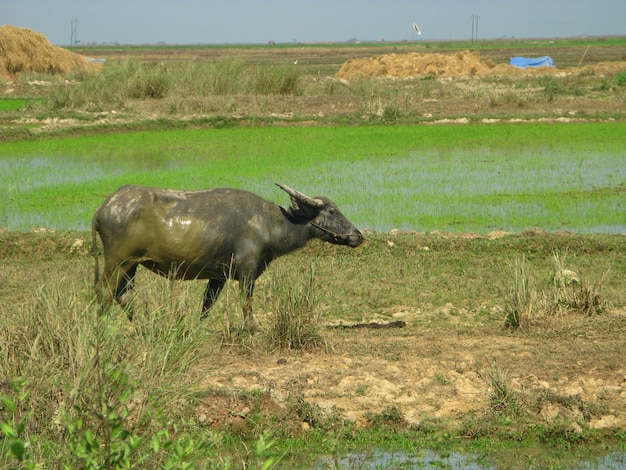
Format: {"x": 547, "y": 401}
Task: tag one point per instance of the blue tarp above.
{"x": 525, "y": 62}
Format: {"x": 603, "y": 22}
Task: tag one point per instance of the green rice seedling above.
{"x": 13, "y": 104}
{"x": 453, "y": 178}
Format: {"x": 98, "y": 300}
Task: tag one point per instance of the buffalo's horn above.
{"x": 301, "y": 198}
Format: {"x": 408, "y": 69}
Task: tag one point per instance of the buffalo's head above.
{"x": 325, "y": 216}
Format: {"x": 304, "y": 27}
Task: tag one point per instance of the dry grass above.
{"x": 25, "y": 51}
{"x": 251, "y": 84}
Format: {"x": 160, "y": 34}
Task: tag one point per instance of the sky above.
{"x": 284, "y": 21}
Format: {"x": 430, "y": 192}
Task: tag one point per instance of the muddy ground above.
{"x": 562, "y": 371}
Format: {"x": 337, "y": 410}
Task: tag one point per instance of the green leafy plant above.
{"x": 14, "y": 429}
{"x": 551, "y": 87}
{"x": 99, "y": 433}
{"x": 390, "y": 417}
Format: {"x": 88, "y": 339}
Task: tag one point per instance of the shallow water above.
{"x": 477, "y": 190}
{"x": 380, "y": 459}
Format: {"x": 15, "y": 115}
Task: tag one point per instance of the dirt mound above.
{"x": 459, "y": 64}
{"x": 24, "y": 50}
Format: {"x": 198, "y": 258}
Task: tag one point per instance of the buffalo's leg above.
{"x": 117, "y": 282}
{"x": 123, "y": 293}
{"x": 213, "y": 289}
{"x": 247, "y": 288}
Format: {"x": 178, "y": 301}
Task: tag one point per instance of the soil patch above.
{"x": 443, "y": 375}
{"x": 24, "y": 50}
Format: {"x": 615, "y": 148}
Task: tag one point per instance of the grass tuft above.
{"x": 567, "y": 294}
{"x": 296, "y": 320}
{"x": 523, "y": 297}
{"x": 501, "y": 398}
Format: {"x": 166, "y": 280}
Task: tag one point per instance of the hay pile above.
{"x": 460, "y": 64}
{"x": 416, "y": 65}
{"x": 24, "y": 50}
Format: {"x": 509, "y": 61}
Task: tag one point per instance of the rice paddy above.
{"x": 407, "y": 178}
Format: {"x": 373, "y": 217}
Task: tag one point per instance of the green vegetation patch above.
{"x": 13, "y": 104}
{"x": 456, "y": 178}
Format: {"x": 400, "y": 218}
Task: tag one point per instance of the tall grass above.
{"x": 134, "y": 80}
{"x": 92, "y": 391}
{"x": 86, "y": 389}
{"x": 200, "y": 87}
{"x": 94, "y": 384}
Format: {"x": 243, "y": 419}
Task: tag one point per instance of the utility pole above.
{"x": 475, "y": 27}
{"x": 73, "y": 31}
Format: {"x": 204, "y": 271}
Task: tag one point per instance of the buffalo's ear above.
{"x": 300, "y": 201}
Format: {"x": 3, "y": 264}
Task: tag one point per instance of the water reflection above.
{"x": 380, "y": 459}
{"x": 427, "y": 459}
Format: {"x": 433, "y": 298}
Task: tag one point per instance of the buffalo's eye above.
{"x": 332, "y": 211}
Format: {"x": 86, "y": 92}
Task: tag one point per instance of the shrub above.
{"x": 501, "y": 397}
{"x": 148, "y": 81}
{"x": 551, "y": 87}
{"x": 572, "y": 294}
{"x": 389, "y": 418}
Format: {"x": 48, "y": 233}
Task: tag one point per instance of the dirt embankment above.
{"x": 458, "y": 64}
{"x": 25, "y": 51}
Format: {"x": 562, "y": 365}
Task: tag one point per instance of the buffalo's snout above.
{"x": 355, "y": 239}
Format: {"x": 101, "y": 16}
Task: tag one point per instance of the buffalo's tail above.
{"x": 95, "y": 227}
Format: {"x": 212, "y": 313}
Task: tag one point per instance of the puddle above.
{"x": 427, "y": 459}
{"x": 380, "y": 459}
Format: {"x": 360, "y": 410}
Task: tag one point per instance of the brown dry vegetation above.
{"x": 25, "y": 51}
{"x": 398, "y": 83}
{"x": 460, "y": 64}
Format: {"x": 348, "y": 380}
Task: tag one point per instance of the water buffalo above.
{"x": 215, "y": 234}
